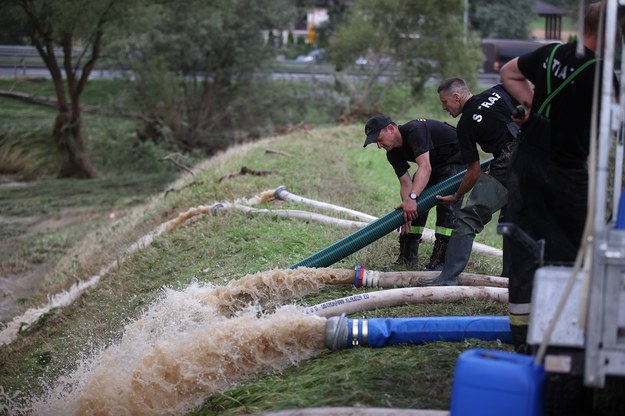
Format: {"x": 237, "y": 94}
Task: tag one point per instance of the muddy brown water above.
{"x": 191, "y": 344}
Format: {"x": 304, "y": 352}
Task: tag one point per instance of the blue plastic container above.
{"x": 496, "y": 383}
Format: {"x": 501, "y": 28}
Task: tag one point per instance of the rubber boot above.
{"x": 403, "y": 245}
{"x": 401, "y": 259}
{"x": 456, "y": 259}
{"x": 412, "y": 251}
{"x": 437, "y": 259}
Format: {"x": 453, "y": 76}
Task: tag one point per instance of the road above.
{"x": 24, "y": 61}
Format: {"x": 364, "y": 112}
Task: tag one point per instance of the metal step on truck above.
{"x": 577, "y": 323}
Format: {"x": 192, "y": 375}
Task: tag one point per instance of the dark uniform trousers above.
{"x": 547, "y": 200}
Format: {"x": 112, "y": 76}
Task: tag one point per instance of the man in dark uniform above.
{"x": 485, "y": 120}
{"x": 433, "y": 146}
{"x": 548, "y": 174}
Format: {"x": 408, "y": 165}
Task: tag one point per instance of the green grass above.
{"x": 43, "y": 220}
{"x": 327, "y": 163}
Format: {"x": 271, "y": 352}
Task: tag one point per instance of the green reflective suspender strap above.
{"x": 552, "y": 95}
{"x": 549, "y": 65}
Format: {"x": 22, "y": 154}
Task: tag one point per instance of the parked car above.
{"x": 371, "y": 59}
{"x": 314, "y": 56}
{"x": 499, "y": 51}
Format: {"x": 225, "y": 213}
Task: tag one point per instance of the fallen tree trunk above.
{"x": 51, "y": 102}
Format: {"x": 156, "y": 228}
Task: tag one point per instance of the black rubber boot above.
{"x": 403, "y": 244}
{"x": 437, "y": 259}
{"x": 412, "y": 250}
{"x": 456, "y": 259}
{"x": 401, "y": 259}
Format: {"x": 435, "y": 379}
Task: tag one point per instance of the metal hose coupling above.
{"x": 278, "y": 192}
{"x": 343, "y": 333}
{"x": 216, "y": 207}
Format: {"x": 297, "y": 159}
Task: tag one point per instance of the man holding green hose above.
{"x": 433, "y": 146}
{"x": 485, "y": 121}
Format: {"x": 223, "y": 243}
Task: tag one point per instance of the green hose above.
{"x": 382, "y": 226}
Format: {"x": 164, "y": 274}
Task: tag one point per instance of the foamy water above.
{"x": 193, "y": 343}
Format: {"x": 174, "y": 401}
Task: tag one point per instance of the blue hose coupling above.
{"x": 366, "y": 278}
{"x": 359, "y": 275}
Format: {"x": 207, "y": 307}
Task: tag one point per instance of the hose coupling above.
{"x": 343, "y": 333}
{"x": 278, "y": 192}
{"x": 216, "y": 207}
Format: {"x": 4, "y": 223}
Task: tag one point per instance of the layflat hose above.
{"x": 341, "y": 332}
{"x": 383, "y": 225}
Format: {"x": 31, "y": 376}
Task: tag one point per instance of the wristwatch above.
{"x": 413, "y": 196}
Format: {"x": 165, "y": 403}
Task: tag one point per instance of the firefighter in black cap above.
{"x": 433, "y": 146}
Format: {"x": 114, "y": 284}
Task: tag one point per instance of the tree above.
{"x": 199, "y": 65}
{"x": 68, "y": 35}
{"x": 507, "y": 19}
{"x": 407, "y": 41}
{"x": 13, "y": 31}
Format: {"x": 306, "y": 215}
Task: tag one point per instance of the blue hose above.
{"x": 380, "y": 332}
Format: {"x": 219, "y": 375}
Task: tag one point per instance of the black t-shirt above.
{"x": 420, "y": 136}
{"x": 571, "y": 109}
{"x": 484, "y": 121}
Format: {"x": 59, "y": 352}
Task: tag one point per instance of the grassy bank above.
{"x": 324, "y": 163}
{"x": 328, "y": 164}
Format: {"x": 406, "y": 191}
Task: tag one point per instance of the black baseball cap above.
{"x": 373, "y": 127}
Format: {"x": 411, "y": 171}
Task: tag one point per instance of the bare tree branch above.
{"x": 246, "y": 171}
{"x": 171, "y": 158}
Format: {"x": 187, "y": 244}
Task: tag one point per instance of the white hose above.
{"x": 377, "y": 279}
{"x": 283, "y": 194}
{"x": 305, "y": 215}
{"x": 406, "y": 296}
{"x": 428, "y": 234}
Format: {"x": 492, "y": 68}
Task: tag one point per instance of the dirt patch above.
{"x": 15, "y": 288}
{"x": 23, "y": 271}
{"x": 66, "y": 218}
